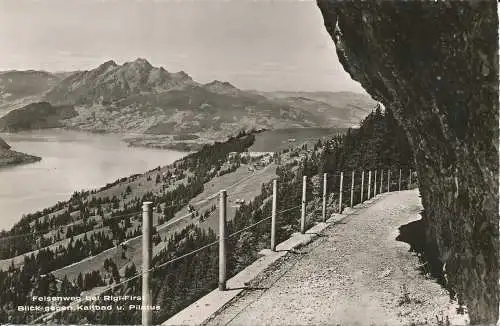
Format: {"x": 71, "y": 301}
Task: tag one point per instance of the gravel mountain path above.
{"x": 355, "y": 273}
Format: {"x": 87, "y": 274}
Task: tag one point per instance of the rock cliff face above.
{"x": 435, "y": 65}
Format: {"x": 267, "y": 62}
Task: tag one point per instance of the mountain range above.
{"x": 156, "y": 107}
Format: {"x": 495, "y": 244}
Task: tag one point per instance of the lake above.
{"x": 280, "y": 139}
{"x": 70, "y": 161}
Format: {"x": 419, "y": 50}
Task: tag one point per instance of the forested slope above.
{"x": 378, "y": 143}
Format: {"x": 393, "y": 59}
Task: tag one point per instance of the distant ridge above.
{"x": 139, "y": 98}
{"x": 40, "y": 115}
{"x": 110, "y": 82}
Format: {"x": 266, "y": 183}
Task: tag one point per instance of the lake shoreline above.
{"x": 169, "y": 141}
{"x": 165, "y": 142}
{"x": 67, "y": 161}
{"x": 12, "y": 158}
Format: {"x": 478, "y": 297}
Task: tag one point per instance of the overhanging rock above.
{"x": 435, "y": 65}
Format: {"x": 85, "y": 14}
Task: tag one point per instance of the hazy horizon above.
{"x": 362, "y": 91}
{"x": 261, "y": 45}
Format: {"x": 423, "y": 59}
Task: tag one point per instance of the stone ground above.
{"x": 356, "y": 273}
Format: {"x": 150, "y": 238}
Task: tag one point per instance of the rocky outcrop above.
{"x": 435, "y": 65}
{"x": 110, "y": 82}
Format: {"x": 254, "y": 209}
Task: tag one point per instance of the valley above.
{"x": 88, "y": 243}
{"x": 102, "y": 225}
{"x": 192, "y": 139}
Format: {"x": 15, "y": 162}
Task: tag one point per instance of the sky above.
{"x": 263, "y": 44}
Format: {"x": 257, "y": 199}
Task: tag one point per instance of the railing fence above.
{"x": 358, "y": 189}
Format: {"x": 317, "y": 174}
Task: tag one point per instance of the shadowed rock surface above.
{"x": 435, "y": 65}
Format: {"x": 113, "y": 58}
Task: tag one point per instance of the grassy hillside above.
{"x": 93, "y": 240}
{"x": 92, "y": 226}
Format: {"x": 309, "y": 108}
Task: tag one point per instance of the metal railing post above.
{"x": 381, "y": 181}
{"x": 375, "y": 184}
{"x": 222, "y": 240}
{"x": 369, "y": 184}
{"x": 324, "y": 196}
{"x": 352, "y": 188}
{"x": 341, "y": 191}
{"x": 147, "y": 222}
{"x": 399, "y": 182}
{"x": 388, "y": 180}
{"x": 303, "y": 215}
{"x": 273, "y": 216}
{"x": 362, "y": 185}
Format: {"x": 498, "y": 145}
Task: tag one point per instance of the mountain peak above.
{"x": 140, "y": 62}
{"x": 220, "y": 83}
{"x": 105, "y": 67}
{"x": 220, "y": 86}
{"x": 110, "y": 82}
{"x": 182, "y": 73}
{"x": 109, "y": 63}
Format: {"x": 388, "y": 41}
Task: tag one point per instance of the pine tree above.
{"x": 79, "y": 282}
